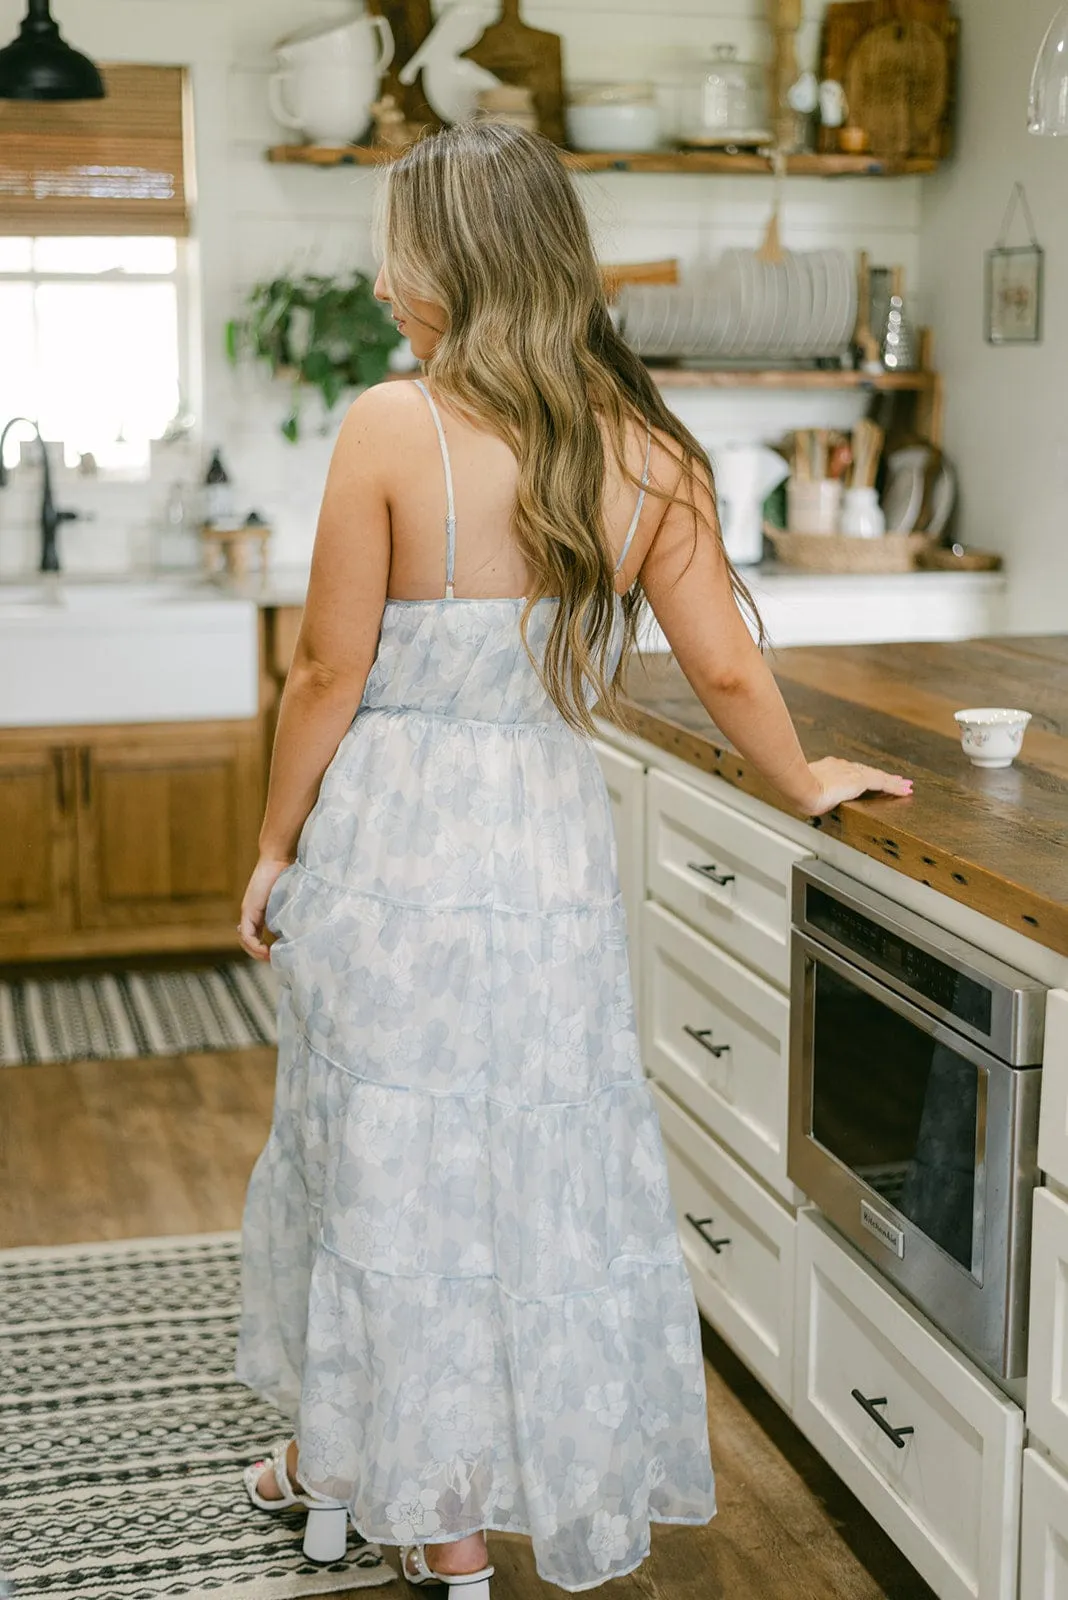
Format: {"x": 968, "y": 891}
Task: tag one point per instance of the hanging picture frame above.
{"x": 1015, "y": 281}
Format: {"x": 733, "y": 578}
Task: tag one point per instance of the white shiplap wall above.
{"x": 255, "y": 219}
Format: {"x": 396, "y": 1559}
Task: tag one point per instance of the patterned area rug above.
{"x": 123, "y": 1014}
{"x": 123, "y": 1435}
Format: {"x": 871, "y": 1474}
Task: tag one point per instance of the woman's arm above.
{"x": 335, "y": 648}
{"x": 688, "y": 586}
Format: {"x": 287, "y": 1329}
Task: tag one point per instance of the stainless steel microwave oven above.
{"x": 914, "y": 1088}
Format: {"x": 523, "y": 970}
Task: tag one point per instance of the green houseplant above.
{"x": 328, "y": 332}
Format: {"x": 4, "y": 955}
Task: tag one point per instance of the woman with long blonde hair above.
{"x": 462, "y": 1277}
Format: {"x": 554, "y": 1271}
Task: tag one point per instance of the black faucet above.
{"x": 50, "y": 517}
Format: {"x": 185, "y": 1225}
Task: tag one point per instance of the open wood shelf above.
{"x": 693, "y": 161}
{"x": 668, "y": 377}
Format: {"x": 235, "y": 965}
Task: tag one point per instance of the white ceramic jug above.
{"x": 745, "y": 476}
{"x": 325, "y": 85}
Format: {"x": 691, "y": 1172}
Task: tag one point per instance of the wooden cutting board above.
{"x": 410, "y": 21}
{"x": 527, "y": 56}
{"x": 847, "y": 21}
{"x": 896, "y": 84}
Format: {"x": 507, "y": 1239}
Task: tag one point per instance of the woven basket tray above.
{"x": 831, "y": 552}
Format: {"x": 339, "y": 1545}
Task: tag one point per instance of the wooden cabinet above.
{"x": 718, "y": 1036}
{"x": 1053, "y": 1115}
{"x": 1047, "y": 1357}
{"x": 163, "y": 831}
{"x": 726, "y": 875}
{"x": 926, "y": 1443}
{"x": 36, "y": 806}
{"x": 739, "y": 1246}
{"x": 1043, "y": 1531}
{"x": 126, "y": 839}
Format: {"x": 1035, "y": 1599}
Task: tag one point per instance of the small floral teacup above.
{"x": 991, "y": 736}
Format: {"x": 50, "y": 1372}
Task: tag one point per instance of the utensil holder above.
{"x": 814, "y": 508}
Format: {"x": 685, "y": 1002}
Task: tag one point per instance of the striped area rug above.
{"x": 122, "y": 1014}
{"x": 123, "y": 1434}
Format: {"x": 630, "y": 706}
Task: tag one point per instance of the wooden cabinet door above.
{"x": 926, "y": 1443}
{"x": 166, "y": 827}
{"x": 36, "y": 820}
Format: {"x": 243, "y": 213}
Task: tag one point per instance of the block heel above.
{"x": 325, "y": 1533}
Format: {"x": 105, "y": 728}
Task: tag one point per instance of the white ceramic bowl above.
{"x": 613, "y": 127}
{"x": 991, "y": 736}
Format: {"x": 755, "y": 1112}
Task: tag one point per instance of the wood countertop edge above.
{"x": 874, "y": 827}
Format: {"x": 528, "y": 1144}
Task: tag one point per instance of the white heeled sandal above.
{"x": 415, "y": 1568}
{"x": 325, "y": 1533}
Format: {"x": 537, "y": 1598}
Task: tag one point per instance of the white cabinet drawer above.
{"x": 741, "y": 1257}
{"x": 726, "y": 875}
{"x": 948, "y": 1493}
{"x": 625, "y": 781}
{"x": 1047, "y": 1353}
{"x": 718, "y": 1037}
{"x": 1043, "y": 1531}
{"x": 1053, "y": 1115}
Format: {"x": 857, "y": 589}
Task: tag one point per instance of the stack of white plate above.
{"x": 799, "y": 309}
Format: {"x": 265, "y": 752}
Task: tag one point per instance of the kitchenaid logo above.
{"x": 884, "y": 1230}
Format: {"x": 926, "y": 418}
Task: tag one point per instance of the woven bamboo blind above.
{"x": 112, "y": 166}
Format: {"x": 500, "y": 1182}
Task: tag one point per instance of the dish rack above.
{"x": 833, "y": 552}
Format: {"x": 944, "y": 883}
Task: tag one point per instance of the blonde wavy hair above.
{"x": 483, "y": 220}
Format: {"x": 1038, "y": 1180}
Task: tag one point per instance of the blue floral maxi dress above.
{"x": 462, "y": 1277}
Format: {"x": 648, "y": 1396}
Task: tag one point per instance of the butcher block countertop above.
{"x": 995, "y": 840}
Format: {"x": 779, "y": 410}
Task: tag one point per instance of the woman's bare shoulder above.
{"x": 380, "y": 421}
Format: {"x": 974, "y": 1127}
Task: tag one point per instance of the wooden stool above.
{"x": 235, "y": 551}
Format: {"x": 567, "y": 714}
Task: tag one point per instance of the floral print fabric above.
{"x": 462, "y": 1276}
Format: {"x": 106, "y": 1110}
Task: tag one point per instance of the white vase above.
{"x": 325, "y": 85}
{"x": 862, "y": 515}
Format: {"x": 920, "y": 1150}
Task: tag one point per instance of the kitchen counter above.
{"x": 996, "y": 841}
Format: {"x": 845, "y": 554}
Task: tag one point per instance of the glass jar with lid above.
{"x": 726, "y": 102}
{"x": 613, "y": 116}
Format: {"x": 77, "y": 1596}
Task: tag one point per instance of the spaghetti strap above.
{"x": 450, "y": 517}
{"x": 636, "y": 518}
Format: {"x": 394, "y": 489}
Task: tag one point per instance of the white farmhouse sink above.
{"x": 75, "y": 652}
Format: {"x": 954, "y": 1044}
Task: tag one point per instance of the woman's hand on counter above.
{"x": 839, "y": 781}
{"x": 252, "y": 926}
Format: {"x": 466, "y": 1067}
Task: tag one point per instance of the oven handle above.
{"x": 701, "y": 1223}
{"x": 923, "y": 1020}
{"x": 897, "y": 1435}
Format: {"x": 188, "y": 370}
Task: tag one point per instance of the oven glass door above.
{"x": 900, "y": 1107}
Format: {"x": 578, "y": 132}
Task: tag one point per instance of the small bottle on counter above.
{"x": 218, "y": 493}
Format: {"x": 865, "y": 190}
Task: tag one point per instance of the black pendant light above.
{"x": 38, "y": 65}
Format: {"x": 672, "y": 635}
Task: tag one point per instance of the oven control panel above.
{"x": 971, "y": 991}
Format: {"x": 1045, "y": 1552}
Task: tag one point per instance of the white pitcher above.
{"x": 745, "y": 476}
{"x": 325, "y": 85}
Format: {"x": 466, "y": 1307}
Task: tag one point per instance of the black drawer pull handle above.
{"x": 708, "y": 869}
{"x": 896, "y": 1434}
{"x": 701, "y": 1223}
{"x": 703, "y": 1036}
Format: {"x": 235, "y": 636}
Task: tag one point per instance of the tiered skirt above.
{"x": 462, "y": 1276}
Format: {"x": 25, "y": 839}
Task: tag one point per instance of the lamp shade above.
{"x": 1047, "y": 112}
{"x": 39, "y": 65}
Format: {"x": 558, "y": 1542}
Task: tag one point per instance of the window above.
{"x": 89, "y": 331}
{"x": 93, "y": 209}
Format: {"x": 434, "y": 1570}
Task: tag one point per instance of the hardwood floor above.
{"x": 120, "y": 1149}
